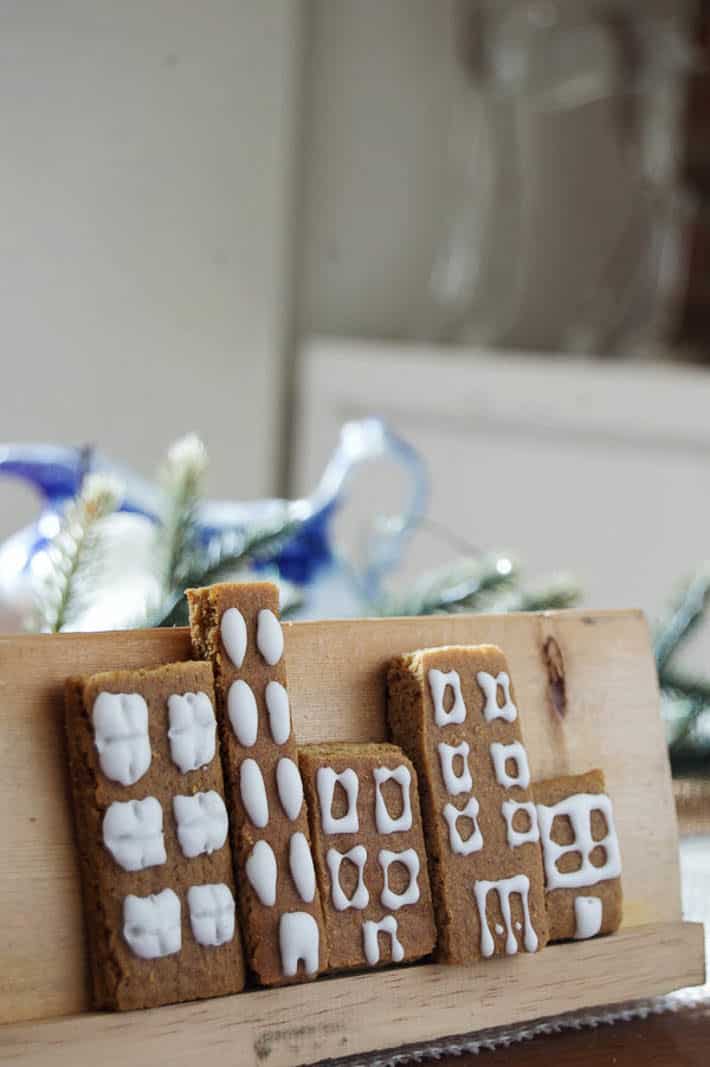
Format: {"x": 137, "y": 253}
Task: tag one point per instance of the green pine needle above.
{"x": 74, "y": 554}
{"x": 182, "y": 478}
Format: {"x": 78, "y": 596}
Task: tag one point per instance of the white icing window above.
{"x": 290, "y": 787}
{"x": 531, "y": 833}
{"x": 474, "y": 842}
{"x": 326, "y": 780}
{"x": 579, "y": 809}
{"x": 121, "y": 736}
{"x": 253, "y": 793}
{"x": 383, "y": 820}
{"x": 455, "y": 781}
{"x": 588, "y": 913}
{"x": 490, "y": 685}
{"x": 409, "y": 858}
{"x": 243, "y": 713}
{"x": 515, "y": 753}
{"x": 269, "y": 636}
{"x": 262, "y": 872}
{"x": 518, "y": 885}
{"x": 211, "y": 914}
{"x": 301, "y": 865}
{"x": 193, "y": 730}
{"x": 298, "y": 942}
{"x": 201, "y": 823}
{"x": 279, "y": 713}
{"x": 133, "y": 833}
{"x": 370, "y": 939}
{"x": 151, "y": 925}
{"x": 439, "y": 683}
{"x": 360, "y": 897}
{"x": 234, "y": 635}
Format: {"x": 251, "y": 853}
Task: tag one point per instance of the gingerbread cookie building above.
{"x": 453, "y": 711}
{"x": 152, "y": 828}
{"x": 370, "y": 855}
{"x": 236, "y": 627}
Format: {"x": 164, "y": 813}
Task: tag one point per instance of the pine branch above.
{"x": 461, "y": 586}
{"x": 553, "y": 594}
{"x": 688, "y": 613}
{"x": 182, "y": 478}
{"x": 73, "y": 553}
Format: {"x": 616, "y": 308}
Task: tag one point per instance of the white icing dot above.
{"x": 326, "y": 780}
{"x": 410, "y": 895}
{"x": 279, "y": 714}
{"x": 455, "y": 783}
{"x": 151, "y": 925}
{"x": 290, "y": 787}
{"x": 519, "y": 884}
{"x": 193, "y": 730}
{"x": 234, "y": 635}
{"x": 211, "y": 910}
{"x": 579, "y": 809}
{"x": 500, "y": 929}
{"x": 253, "y": 793}
{"x": 201, "y": 823}
{"x": 262, "y": 872}
{"x": 588, "y": 917}
{"x": 383, "y": 820}
{"x": 474, "y": 842}
{"x": 371, "y": 945}
{"x": 490, "y": 684}
{"x": 360, "y": 896}
{"x": 133, "y": 833}
{"x": 243, "y": 713}
{"x": 298, "y": 941}
{"x": 438, "y": 683}
{"x": 500, "y": 754}
{"x": 269, "y": 636}
{"x": 121, "y": 736}
{"x": 301, "y": 865}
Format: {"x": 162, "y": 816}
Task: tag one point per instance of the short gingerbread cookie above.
{"x": 581, "y": 856}
{"x": 236, "y": 626}
{"x": 152, "y": 827}
{"x": 370, "y": 857}
{"x": 453, "y": 710}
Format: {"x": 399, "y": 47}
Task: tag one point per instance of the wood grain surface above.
{"x": 587, "y": 693}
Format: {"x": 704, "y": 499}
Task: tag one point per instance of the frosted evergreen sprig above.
{"x": 182, "y": 478}
{"x": 462, "y": 585}
{"x": 73, "y": 554}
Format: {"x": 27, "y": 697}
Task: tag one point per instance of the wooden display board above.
{"x": 587, "y": 693}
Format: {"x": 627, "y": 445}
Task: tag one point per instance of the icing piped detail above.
{"x": 262, "y": 872}
{"x": 133, "y": 833}
{"x": 410, "y": 859}
{"x": 455, "y": 783}
{"x": 211, "y": 910}
{"x": 279, "y": 713}
{"x": 253, "y": 793}
{"x": 370, "y": 940}
{"x": 201, "y": 823}
{"x": 578, "y": 809}
{"x": 121, "y": 736}
{"x": 383, "y": 820}
{"x": 505, "y": 888}
{"x": 290, "y": 787}
{"x": 233, "y": 630}
{"x": 474, "y": 842}
{"x": 151, "y": 925}
{"x": 588, "y": 917}
{"x": 509, "y": 808}
{"x": 193, "y": 730}
{"x": 301, "y": 864}
{"x": 438, "y": 682}
{"x": 490, "y": 685}
{"x": 326, "y": 780}
{"x": 360, "y": 897}
{"x": 269, "y": 636}
{"x": 500, "y": 754}
{"x": 243, "y": 713}
{"x": 298, "y": 941}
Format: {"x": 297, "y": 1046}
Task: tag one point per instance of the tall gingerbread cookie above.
{"x": 370, "y": 856}
{"x": 454, "y": 713}
{"x": 581, "y": 856}
{"x": 153, "y": 840}
{"x": 236, "y": 626}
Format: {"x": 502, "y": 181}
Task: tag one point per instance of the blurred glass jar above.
{"x": 567, "y": 218}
